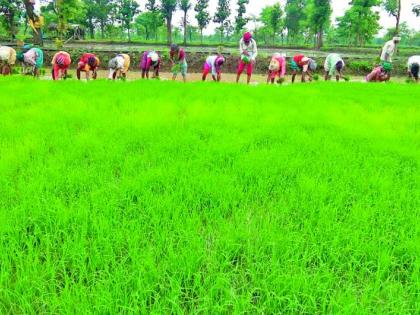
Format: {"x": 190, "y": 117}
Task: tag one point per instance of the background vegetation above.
{"x": 299, "y": 22}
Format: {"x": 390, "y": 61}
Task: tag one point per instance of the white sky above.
{"x": 339, "y": 6}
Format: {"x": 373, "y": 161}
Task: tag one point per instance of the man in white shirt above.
{"x": 389, "y": 49}
{"x": 248, "y": 51}
{"x": 413, "y": 66}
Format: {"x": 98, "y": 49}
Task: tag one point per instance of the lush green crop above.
{"x": 160, "y": 197}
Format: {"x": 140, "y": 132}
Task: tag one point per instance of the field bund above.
{"x": 139, "y": 197}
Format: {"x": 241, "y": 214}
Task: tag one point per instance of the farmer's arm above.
{"x": 283, "y": 68}
{"x": 254, "y": 50}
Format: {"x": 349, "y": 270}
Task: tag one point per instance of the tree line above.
{"x": 295, "y": 22}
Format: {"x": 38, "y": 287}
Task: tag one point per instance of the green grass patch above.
{"x": 139, "y": 197}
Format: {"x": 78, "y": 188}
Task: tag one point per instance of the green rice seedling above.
{"x": 160, "y": 197}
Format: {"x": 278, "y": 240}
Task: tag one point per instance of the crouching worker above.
{"x": 32, "y": 61}
{"x": 150, "y": 59}
{"x": 178, "y": 61}
{"x": 7, "y": 59}
{"x": 214, "y": 65}
{"x": 119, "y": 66}
{"x": 334, "y": 66}
{"x": 304, "y": 64}
{"x": 60, "y": 64}
{"x": 380, "y": 73}
{"x": 413, "y": 67}
{"x": 88, "y": 63}
{"x": 277, "y": 68}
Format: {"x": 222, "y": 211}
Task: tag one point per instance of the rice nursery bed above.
{"x": 161, "y": 197}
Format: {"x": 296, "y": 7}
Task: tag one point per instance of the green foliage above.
{"x": 185, "y": 6}
{"x": 360, "y": 23}
{"x": 392, "y": 7}
{"x": 149, "y": 23}
{"x": 240, "y": 19}
{"x": 117, "y": 198}
{"x": 202, "y": 15}
{"x": 99, "y": 13}
{"x": 126, "y": 10}
{"x": 167, "y": 8}
{"x": 10, "y": 14}
{"x": 295, "y": 17}
{"x": 271, "y": 17}
{"x": 319, "y": 13}
{"x": 221, "y": 16}
{"x": 360, "y": 66}
{"x": 416, "y": 10}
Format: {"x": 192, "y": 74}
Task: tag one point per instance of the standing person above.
{"x": 388, "y": 51}
{"x": 150, "y": 59}
{"x": 277, "y": 68}
{"x": 178, "y": 61}
{"x": 380, "y": 73}
{"x": 119, "y": 66}
{"x": 87, "y": 63}
{"x": 304, "y": 64}
{"x": 413, "y": 66}
{"x": 214, "y": 65}
{"x": 334, "y": 66}
{"x": 7, "y": 59}
{"x": 32, "y": 59}
{"x": 248, "y": 51}
{"x": 60, "y": 64}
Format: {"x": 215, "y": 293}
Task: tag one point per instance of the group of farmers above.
{"x": 32, "y": 59}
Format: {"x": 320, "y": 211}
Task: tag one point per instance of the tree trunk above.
{"x": 169, "y": 29}
{"x": 320, "y": 39}
{"x": 185, "y": 27}
{"x": 129, "y": 34}
{"x": 201, "y": 34}
{"x": 10, "y": 20}
{"x": 37, "y": 31}
{"x": 398, "y": 17}
{"x": 92, "y": 31}
{"x": 102, "y": 30}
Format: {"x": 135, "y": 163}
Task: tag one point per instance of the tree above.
{"x": 66, "y": 11}
{"x": 202, "y": 16}
{"x": 393, "y": 8}
{"x": 156, "y": 18}
{"x": 185, "y": 6}
{"x": 10, "y": 12}
{"x": 295, "y": 15}
{"x": 98, "y": 13}
{"x": 222, "y": 16}
{"x": 271, "y": 17}
{"x": 126, "y": 11}
{"x": 240, "y": 20}
{"x": 147, "y": 21}
{"x": 404, "y": 32}
{"x": 35, "y": 21}
{"x": 416, "y": 10}
{"x": 168, "y": 7}
{"x": 360, "y": 23}
{"x": 319, "y": 13}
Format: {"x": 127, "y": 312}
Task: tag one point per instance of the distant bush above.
{"x": 360, "y": 66}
